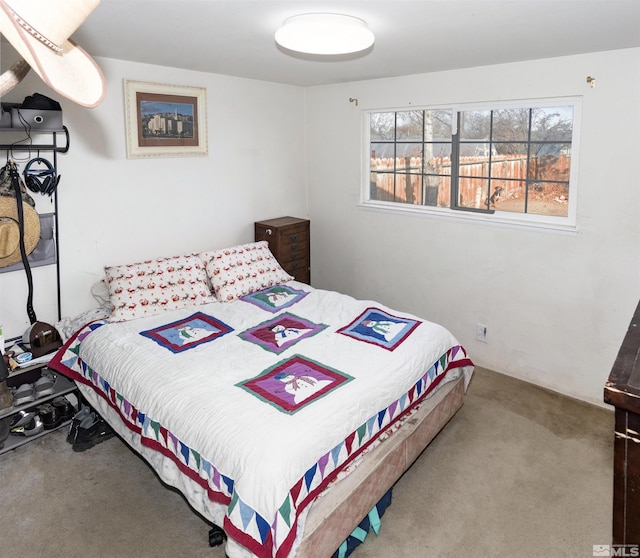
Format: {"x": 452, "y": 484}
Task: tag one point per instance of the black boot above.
{"x": 91, "y": 431}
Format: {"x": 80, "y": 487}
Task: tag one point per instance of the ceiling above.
{"x": 235, "y": 37}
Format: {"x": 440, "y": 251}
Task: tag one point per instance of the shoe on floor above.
{"x": 75, "y": 423}
{"x": 45, "y": 385}
{"x": 92, "y": 430}
{"x": 24, "y": 394}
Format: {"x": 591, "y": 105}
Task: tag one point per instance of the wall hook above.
{"x": 591, "y": 81}
{"x": 352, "y": 100}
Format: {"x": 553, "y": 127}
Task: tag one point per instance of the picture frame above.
{"x": 165, "y": 120}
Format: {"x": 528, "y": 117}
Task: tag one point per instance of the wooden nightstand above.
{"x": 288, "y": 239}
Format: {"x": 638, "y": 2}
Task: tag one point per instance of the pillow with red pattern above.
{"x": 244, "y": 269}
{"x": 155, "y": 286}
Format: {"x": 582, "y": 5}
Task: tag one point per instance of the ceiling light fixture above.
{"x": 324, "y": 34}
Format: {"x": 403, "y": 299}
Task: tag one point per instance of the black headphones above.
{"x": 43, "y": 180}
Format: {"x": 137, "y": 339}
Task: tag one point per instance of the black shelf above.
{"x": 63, "y": 386}
{"x": 28, "y": 143}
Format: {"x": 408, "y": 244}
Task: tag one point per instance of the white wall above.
{"x": 556, "y": 306}
{"x": 116, "y": 210}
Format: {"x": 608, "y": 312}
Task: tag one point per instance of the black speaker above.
{"x": 40, "y": 176}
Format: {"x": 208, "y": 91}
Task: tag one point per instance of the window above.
{"x": 507, "y": 162}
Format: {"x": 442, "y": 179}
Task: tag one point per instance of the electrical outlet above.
{"x": 481, "y": 333}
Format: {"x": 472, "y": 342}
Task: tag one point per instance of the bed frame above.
{"x": 341, "y": 508}
{"x": 336, "y": 514}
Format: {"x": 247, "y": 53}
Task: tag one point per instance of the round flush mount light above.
{"x": 324, "y": 34}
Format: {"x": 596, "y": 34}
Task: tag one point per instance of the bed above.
{"x": 283, "y": 413}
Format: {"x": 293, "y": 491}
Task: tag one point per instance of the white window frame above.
{"x": 566, "y": 224}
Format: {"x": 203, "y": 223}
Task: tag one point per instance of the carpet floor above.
{"x": 518, "y": 472}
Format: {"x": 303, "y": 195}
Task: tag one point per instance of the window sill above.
{"x": 497, "y": 219}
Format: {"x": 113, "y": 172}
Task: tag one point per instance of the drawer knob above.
{"x": 294, "y": 265}
{"x": 294, "y": 237}
{"x": 269, "y": 232}
{"x": 294, "y": 246}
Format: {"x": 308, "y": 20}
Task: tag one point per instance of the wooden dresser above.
{"x": 289, "y": 241}
{"x": 622, "y": 390}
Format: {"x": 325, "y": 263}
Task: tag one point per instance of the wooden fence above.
{"x": 408, "y": 187}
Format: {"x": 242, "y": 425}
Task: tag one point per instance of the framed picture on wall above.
{"x": 165, "y": 120}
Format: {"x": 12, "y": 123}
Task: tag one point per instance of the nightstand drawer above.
{"x": 300, "y": 274}
{"x": 295, "y": 265}
{"x": 297, "y": 251}
{"x": 294, "y": 235}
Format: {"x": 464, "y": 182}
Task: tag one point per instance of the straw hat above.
{"x": 10, "y": 233}
{"x": 39, "y": 30}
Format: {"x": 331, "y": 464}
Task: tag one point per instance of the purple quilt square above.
{"x": 278, "y": 334}
{"x": 188, "y": 333}
{"x": 275, "y": 298}
{"x": 295, "y": 382}
{"x": 380, "y": 328}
